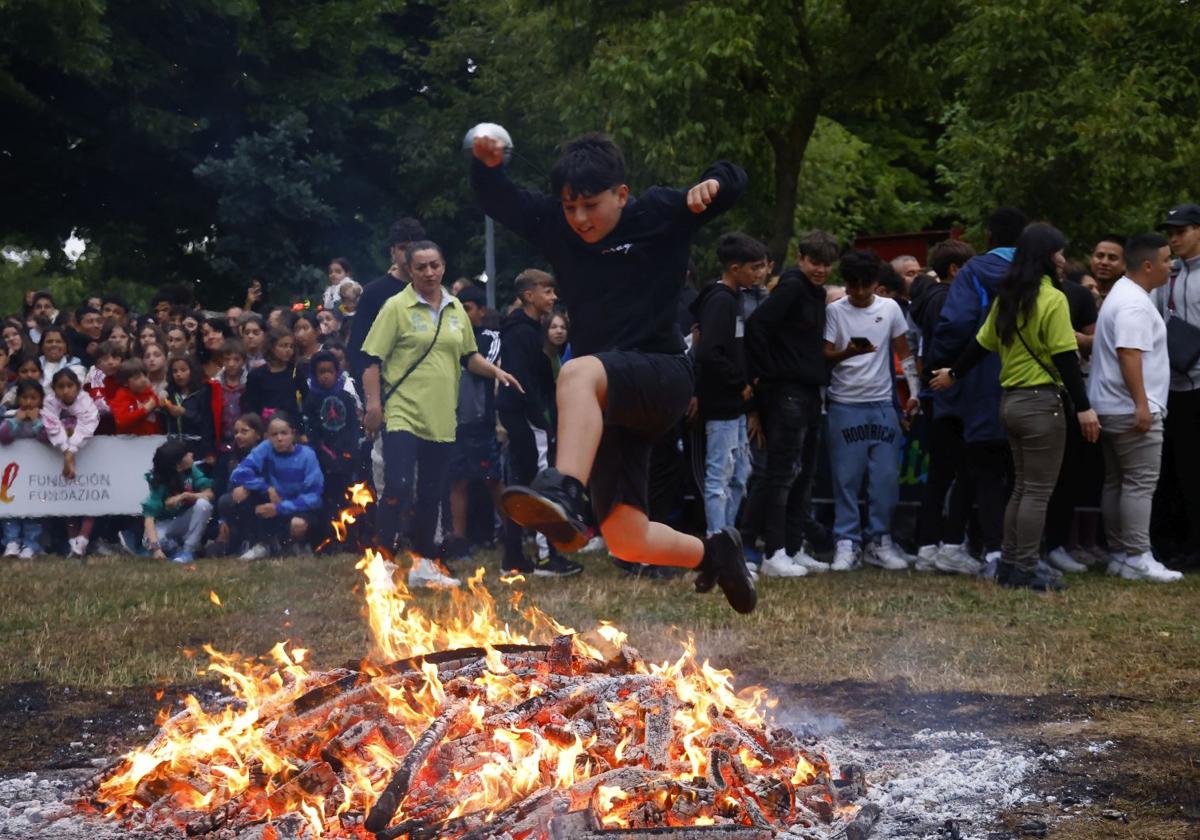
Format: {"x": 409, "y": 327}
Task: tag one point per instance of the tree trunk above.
{"x": 789, "y": 145}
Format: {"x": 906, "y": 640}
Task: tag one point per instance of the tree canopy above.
{"x": 213, "y": 141}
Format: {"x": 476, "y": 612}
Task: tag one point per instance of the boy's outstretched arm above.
{"x": 521, "y": 211}
{"x": 718, "y": 189}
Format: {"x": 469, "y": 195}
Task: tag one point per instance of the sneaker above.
{"x": 426, "y": 572}
{"x": 595, "y": 544}
{"x": 183, "y": 557}
{"x": 27, "y": 553}
{"x": 521, "y": 566}
{"x": 105, "y": 549}
{"x": 846, "y": 557}
{"x": 991, "y": 566}
{"x": 556, "y": 566}
{"x": 13, "y": 549}
{"x": 1062, "y": 560}
{"x": 885, "y": 555}
{"x": 925, "y": 558}
{"x": 1046, "y": 570}
{"x": 753, "y": 556}
{"x": 78, "y": 546}
{"x": 255, "y": 552}
{"x": 1036, "y": 579}
{"x": 724, "y": 565}
{"x": 956, "y": 560}
{"x": 1145, "y": 567}
{"x": 753, "y": 570}
{"x": 780, "y": 564}
{"x": 131, "y": 541}
{"x": 806, "y": 561}
{"x": 555, "y": 505}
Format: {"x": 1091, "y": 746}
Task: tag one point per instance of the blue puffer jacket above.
{"x": 976, "y": 398}
{"x": 295, "y": 476}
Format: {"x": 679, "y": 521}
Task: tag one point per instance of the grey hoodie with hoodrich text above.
{"x": 1180, "y": 298}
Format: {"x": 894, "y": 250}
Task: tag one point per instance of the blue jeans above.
{"x": 864, "y": 439}
{"x": 26, "y": 532}
{"x": 726, "y": 470}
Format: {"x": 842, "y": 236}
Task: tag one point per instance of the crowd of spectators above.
{"x": 1053, "y": 399}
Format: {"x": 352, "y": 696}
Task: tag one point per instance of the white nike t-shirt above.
{"x": 1128, "y": 319}
{"x": 866, "y": 378}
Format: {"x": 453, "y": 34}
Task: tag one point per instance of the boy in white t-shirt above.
{"x": 1128, "y": 387}
{"x": 861, "y": 331}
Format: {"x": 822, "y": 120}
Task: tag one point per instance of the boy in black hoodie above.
{"x": 529, "y": 417}
{"x": 620, "y": 263}
{"x": 722, "y": 388}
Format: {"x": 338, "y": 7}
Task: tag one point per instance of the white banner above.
{"x": 110, "y": 478}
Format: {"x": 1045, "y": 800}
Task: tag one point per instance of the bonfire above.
{"x": 469, "y": 726}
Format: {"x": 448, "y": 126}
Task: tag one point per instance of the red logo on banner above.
{"x": 7, "y": 481}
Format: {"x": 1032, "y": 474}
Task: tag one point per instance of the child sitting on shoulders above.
{"x": 276, "y": 492}
{"x": 179, "y": 505}
{"x": 23, "y": 537}
{"x": 135, "y": 405}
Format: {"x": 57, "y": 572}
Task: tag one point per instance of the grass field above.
{"x": 1125, "y": 656}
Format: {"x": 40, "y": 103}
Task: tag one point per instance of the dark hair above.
{"x": 254, "y": 421}
{"x": 1018, "y": 293}
{"x": 1114, "y": 238}
{"x": 1004, "y": 226}
{"x": 472, "y": 294}
{"x": 819, "y": 246}
{"x": 164, "y": 469}
{"x": 178, "y": 328}
{"x": 530, "y": 279}
{"x": 115, "y": 298}
{"x": 402, "y": 232}
{"x": 108, "y": 348}
{"x": 334, "y": 341}
{"x": 64, "y": 373}
{"x": 203, "y": 354}
{"x": 249, "y": 316}
{"x": 231, "y": 346}
{"x": 42, "y": 295}
{"x": 344, "y": 263}
{"x": 195, "y": 374}
{"x": 421, "y": 245}
{"x": 587, "y": 165}
{"x": 274, "y": 337}
{"x": 1140, "y": 248}
{"x": 548, "y": 319}
{"x": 136, "y": 347}
{"x": 285, "y": 417}
{"x": 109, "y": 326}
{"x": 736, "y": 248}
{"x": 307, "y": 315}
{"x": 890, "y": 279}
{"x": 129, "y": 369}
{"x": 1074, "y": 272}
{"x": 946, "y": 253}
{"x": 54, "y": 329}
{"x": 32, "y": 360}
{"x": 24, "y": 385}
{"x": 321, "y": 357}
{"x": 85, "y": 310}
{"x": 860, "y": 268}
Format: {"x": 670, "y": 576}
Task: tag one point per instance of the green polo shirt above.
{"x": 425, "y": 403}
{"x": 1048, "y": 332}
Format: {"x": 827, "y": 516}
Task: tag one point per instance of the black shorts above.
{"x": 476, "y": 455}
{"x": 647, "y": 395}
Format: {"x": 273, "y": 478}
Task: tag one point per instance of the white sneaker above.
{"x": 885, "y": 555}
{"x": 27, "y": 553}
{"x": 991, "y": 564}
{"x": 926, "y": 555}
{"x": 846, "y": 558}
{"x": 426, "y": 573}
{"x": 753, "y": 570}
{"x": 780, "y": 564}
{"x": 956, "y": 560}
{"x": 805, "y": 560}
{"x": 255, "y": 552}
{"x": 13, "y": 549}
{"x": 1062, "y": 560}
{"x": 1145, "y": 567}
{"x": 596, "y": 543}
{"x": 78, "y": 546}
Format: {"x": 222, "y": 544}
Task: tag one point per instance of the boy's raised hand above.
{"x": 488, "y": 150}
{"x": 701, "y": 195}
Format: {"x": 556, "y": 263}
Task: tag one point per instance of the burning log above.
{"x": 864, "y": 822}
{"x": 389, "y": 801}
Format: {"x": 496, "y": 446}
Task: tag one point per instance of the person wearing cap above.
{"x": 1179, "y": 300}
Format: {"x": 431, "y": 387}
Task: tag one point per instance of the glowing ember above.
{"x": 466, "y": 726}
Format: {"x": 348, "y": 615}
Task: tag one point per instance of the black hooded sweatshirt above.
{"x": 785, "y": 335}
{"x": 720, "y": 358}
{"x": 522, "y": 354}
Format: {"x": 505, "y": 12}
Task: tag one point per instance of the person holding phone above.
{"x": 865, "y": 432}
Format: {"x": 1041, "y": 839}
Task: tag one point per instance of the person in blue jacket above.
{"x": 276, "y": 492}
{"x": 975, "y": 399}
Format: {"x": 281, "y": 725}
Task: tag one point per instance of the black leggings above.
{"x": 412, "y": 467}
{"x": 247, "y": 526}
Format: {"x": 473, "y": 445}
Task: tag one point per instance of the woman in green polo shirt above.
{"x": 1030, "y": 327}
{"x": 416, "y": 349}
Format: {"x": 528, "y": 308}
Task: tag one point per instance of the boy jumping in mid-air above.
{"x": 620, "y": 263}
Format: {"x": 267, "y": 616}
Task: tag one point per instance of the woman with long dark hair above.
{"x": 1030, "y": 327}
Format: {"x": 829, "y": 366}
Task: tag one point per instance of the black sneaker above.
{"x": 554, "y": 504}
{"x": 724, "y": 565}
{"x": 556, "y": 566}
{"x": 1010, "y": 576}
{"x": 521, "y": 566}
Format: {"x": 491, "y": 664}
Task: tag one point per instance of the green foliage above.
{"x": 1081, "y": 113}
{"x": 23, "y": 270}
